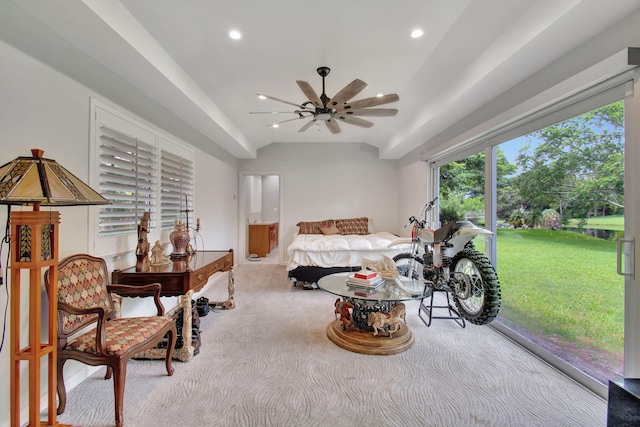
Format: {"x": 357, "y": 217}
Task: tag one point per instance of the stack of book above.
{"x": 364, "y": 281}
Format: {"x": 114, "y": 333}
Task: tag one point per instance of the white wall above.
{"x": 41, "y": 108}
{"x": 322, "y": 181}
{"x": 262, "y": 198}
{"x": 270, "y": 198}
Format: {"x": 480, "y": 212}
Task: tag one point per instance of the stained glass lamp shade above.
{"x": 39, "y": 181}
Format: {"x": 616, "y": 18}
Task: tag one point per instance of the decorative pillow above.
{"x": 353, "y": 225}
{"x": 313, "y": 227}
{"x": 332, "y": 229}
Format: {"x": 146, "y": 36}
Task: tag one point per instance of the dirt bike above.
{"x": 446, "y": 260}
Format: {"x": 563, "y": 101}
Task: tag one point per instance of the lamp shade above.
{"x": 39, "y": 181}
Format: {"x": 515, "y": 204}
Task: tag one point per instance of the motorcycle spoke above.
{"x": 475, "y": 301}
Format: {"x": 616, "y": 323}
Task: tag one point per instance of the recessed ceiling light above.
{"x": 235, "y": 35}
{"x": 275, "y": 125}
{"x": 416, "y": 33}
{"x": 262, "y": 97}
{"x": 380, "y": 95}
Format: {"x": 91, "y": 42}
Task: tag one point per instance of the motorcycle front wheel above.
{"x": 409, "y": 265}
{"x": 478, "y": 295}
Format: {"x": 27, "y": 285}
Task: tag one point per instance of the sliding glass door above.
{"x": 559, "y": 208}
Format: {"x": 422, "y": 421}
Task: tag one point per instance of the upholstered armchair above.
{"x": 84, "y": 300}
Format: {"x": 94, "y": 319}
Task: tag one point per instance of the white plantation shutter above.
{"x": 176, "y": 189}
{"x": 138, "y": 169}
{"x": 128, "y": 178}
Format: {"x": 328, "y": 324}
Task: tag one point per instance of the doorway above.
{"x": 261, "y": 214}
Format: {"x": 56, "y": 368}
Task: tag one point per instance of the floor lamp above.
{"x": 36, "y": 181}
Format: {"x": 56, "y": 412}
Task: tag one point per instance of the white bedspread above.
{"x": 339, "y": 250}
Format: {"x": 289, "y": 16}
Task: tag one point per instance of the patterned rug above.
{"x": 268, "y": 362}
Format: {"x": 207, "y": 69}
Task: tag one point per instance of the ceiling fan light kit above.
{"x": 328, "y": 110}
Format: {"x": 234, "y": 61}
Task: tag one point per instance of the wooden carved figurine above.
{"x": 157, "y": 255}
{"x": 142, "y": 249}
{"x": 342, "y": 311}
{"x": 143, "y": 231}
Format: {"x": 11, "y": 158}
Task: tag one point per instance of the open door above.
{"x": 260, "y": 211}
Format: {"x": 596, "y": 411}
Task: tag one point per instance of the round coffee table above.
{"x": 359, "y": 337}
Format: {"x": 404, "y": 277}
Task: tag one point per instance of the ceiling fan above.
{"x": 331, "y": 110}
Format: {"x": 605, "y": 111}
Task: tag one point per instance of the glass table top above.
{"x": 398, "y": 289}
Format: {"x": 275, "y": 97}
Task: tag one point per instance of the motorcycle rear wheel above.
{"x": 474, "y": 270}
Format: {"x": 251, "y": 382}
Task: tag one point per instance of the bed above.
{"x": 331, "y": 246}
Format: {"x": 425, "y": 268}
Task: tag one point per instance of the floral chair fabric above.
{"x": 82, "y": 284}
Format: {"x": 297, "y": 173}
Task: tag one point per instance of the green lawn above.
{"x": 561, "y": 283}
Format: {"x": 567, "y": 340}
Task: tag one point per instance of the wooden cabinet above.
{"x": 263, "y": 238}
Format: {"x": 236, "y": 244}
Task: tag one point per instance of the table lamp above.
{"x": 36, "y": 181}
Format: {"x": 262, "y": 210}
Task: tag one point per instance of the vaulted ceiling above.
{"x": 179, "y": 54}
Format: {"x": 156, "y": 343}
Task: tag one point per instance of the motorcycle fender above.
{"x": 461, "y": 237}
{"x": 426, "y": 236}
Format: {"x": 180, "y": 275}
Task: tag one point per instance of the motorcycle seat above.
{"x": 448, "y": 229}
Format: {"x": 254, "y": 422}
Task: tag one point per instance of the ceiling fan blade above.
{"x": 369, "y": 112}
{"x": 371, "y": 102}
{"x": 285, "y": 121}
{"x": 307, "y": 125}
{"x": 274, "y": 112}
{"x": 332, "y": 125}
{"x": 354, "y": 121}
{"x": 273, "y": 98}
{"x": 310, "y": 93}
{"x": 347, "y": 92}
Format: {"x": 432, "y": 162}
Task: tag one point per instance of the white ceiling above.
{"x": 179, "y": 54}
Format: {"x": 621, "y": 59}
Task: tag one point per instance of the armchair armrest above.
{"x": 152, "y": 289}
{"x": 101, "y": 339}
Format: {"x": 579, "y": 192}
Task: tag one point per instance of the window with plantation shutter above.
{"x": 176, "y": 189}
{"x": 128, "y": 179}
{"x": 138, "y": 169}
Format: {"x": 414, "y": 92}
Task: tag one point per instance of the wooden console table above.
{"x": 181, "y": 278}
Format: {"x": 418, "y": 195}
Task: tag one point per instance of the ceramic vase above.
{"x": 179, "y": 238}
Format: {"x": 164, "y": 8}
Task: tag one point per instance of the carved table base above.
{"x": 365, "y": 342}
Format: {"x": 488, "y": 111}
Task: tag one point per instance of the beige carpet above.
{"x": 269, "y": 363}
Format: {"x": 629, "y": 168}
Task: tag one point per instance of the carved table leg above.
{"x": 231, "y": 288}
{"x": 185, "y": 353}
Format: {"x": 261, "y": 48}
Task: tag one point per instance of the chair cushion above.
{"x": 82, "y": 283}
{"x": 121, "y": 334}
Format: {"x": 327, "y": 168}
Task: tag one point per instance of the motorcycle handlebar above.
{"x": 426, "y": 209}
{"x": 413, "y": 219}
{"x": 430, "y": 204}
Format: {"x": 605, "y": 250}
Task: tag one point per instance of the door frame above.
{"x": 242, "y": 214}
{"x": 631, "y": 256}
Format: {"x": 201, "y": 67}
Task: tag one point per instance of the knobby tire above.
{"x": 487, "y": 290}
